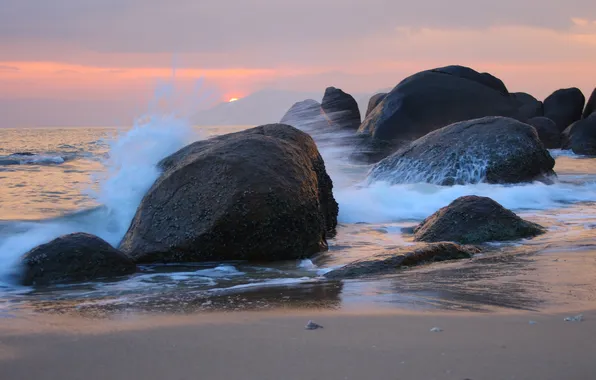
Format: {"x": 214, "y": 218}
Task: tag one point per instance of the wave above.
{"x": 220, "y": 271}
{"x": 264, "y": 284}
{"x": 382, "y": 202}
{"x": 468, "y": 167}
{"x": 563, "y": 153}
{"x": 131, "y": 169}
{"x": 27, "y": 158}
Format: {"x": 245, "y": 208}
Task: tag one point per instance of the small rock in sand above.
{"x": 312, "y": 326}
{"x": 436, "y": 329}
{"x": 577, "y": 318}
{"x": 533, "y": 322}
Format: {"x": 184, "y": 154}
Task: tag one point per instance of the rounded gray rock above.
{"x": 564, "y": 107}
{"x": 374, "y": 102}
{"x": 432, "y": 99}
{"x": 391, "y": 262}
{"x": 548, "y": 132}
{"x": 74, "y": 258}
{"x": 473, "y": 220}
{"x": 491, "y": 149}
{"x": 590, "y": 105}
{"x": 580, "y": 136}
{"x": 306, "y": 115}
{"x": 262, "y": 194}
{"x": 341, "y": 108}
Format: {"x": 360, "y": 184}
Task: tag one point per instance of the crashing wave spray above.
{"x": 468, "y": 168}
{"x": 130, "y": 171}
{"x": 382, "y": 202}
{"x": 131, "y": 168}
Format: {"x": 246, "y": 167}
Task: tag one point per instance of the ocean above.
{"x": 55, "y": 181}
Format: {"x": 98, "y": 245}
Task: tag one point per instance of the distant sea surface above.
{"x": 55, "y": 181}
{"x": 60, "y": 169}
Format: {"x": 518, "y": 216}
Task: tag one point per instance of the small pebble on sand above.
{"x": 436, "y": 329}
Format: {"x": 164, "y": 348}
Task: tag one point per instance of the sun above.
{"x": 232, "y": 100}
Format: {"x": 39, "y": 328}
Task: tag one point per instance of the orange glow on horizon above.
{"x": 45, "y": 69}
{"x": 232, "y": 100}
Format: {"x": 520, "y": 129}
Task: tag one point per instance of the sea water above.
{"x": 55, "y": 181}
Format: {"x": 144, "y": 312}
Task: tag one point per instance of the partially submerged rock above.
{"x": 432, "y": 99}
{"x": 564, "y": 107}
{"x": 529, "y": 107}
{"x": 341, "y": 108}
{"x": 590, "y": 105}
{"x": 548, "y": 132}
{"x": 365, "y": 150}
{"x": 259, "y": 194}
{"x": 374, "y": 102}
{"x": 491, "y": 149}
{"x": 404, "y": 257}
{"x": 306, "y": 115}
{"x": 580, "y": 136}
{"x": 74, "y": 258}
{"x": 483, "y": 78}
{"x": 473, "y": 220}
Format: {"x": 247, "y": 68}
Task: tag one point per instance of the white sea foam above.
{"x": 130, "y": 171}
{"x": 306, "y": 264}
{"x": 33, "y": 159}
{"x": 220, "y": 271}
{"x": 264, "y": 284}
{"x": 131, "y": 167}
{"x": 469, "y": 167}
{"x": 563, "y": 153}
{"x": 382, "y": 202}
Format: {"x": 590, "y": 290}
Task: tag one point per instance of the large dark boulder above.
{"x": 341, "y": 108}
{"x": 435, "y": 98}
{"x": 548, "y": 132}
{"x": 260, "y": 194}
{"x": 74, "y": 258}
{"x": 306, "y": 115}
{"x": 590, "y": 105}
{"x": 391, "y": 262}
{"x": 564, "y": 107}
{"x": 580, "y": 136}
{"x": 485, "y": 79}
{"x": 374, "y": 102}
{"x": 473, "y": 220}
{"x": 491, "y": 149}
{"x": 529, "y": 106}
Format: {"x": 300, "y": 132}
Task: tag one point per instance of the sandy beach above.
{"x": 275, "y": 345}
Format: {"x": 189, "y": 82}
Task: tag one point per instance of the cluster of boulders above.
{"x": 263, "y": 194}
{"x": 434, "y": 99}
{"x": 451, "y": 233}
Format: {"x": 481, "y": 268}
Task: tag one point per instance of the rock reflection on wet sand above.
{"x": 523, "y": 279}
{"x": 314, "y": 295}
{"x": 528, "y": 281}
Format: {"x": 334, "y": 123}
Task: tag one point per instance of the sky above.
{"x": 99, "y": 62}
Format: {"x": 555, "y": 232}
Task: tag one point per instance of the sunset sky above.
{"x": 89, "y": 62}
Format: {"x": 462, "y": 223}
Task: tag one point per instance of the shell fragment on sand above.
{"x": 577, "y": 318}
{"x": 312, "y": 326}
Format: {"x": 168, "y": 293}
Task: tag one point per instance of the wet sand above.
{"x": 275, "y": 345}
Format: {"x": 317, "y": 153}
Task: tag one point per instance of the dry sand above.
{"x": 275, "y": 345}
